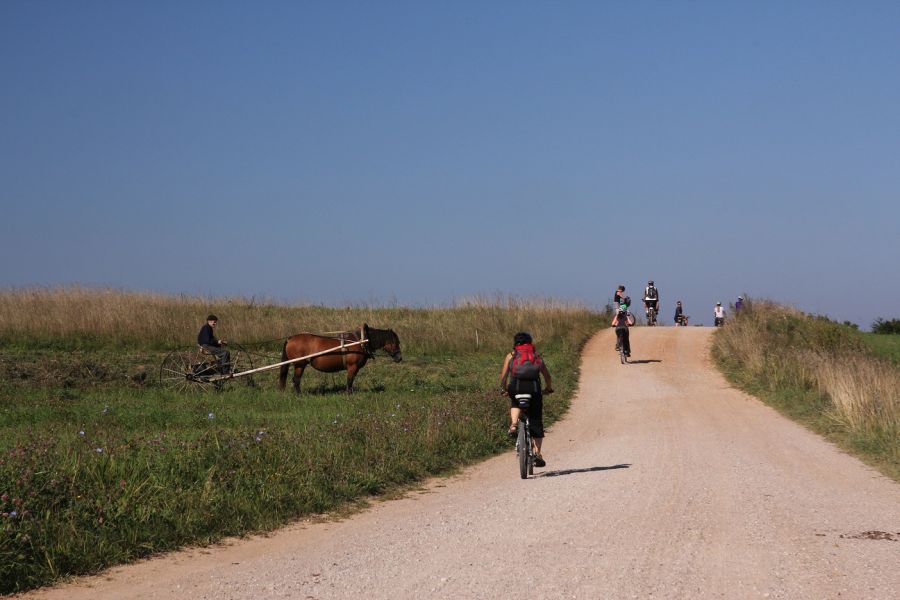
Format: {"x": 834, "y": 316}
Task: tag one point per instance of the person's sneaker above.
{"x": 539, "y": 461}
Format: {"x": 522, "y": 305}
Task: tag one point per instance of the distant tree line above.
{"x": 884, "y": 326}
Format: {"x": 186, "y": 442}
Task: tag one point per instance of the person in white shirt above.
{"x": 720, "y": 314}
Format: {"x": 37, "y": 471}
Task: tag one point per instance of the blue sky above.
{"x": 420, "y": 152}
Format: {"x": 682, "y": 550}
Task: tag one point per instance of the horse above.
{"x": 351, "y": 359}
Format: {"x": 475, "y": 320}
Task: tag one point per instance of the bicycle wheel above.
{"x": 522, "y": 449}
{"x": 622, "y": 355}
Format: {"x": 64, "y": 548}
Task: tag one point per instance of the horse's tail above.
{"x": 283, "y": 371}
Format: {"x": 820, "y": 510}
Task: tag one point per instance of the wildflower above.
{"x": 4, "y": 497}
{"x": 13, "y": 514}
{"x": 98, "y": 450}
{"x": 105, "y": 410}
{"x": 211, "y": 416}
{"x": 81, "y": 433}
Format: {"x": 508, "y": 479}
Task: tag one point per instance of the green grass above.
{"x": 883, "y": 345}
{"x": 99, "y": 466}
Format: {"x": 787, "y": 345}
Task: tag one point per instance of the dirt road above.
{"x": 662, "y": 482}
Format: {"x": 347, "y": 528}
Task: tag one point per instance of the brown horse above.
{"x": 351, "y": 359}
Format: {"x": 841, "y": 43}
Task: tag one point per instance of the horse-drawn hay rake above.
{"x": 196, "y": 370}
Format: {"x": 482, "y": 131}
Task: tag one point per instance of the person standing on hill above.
{"x": 210, "y": 343}
{"x": 739, "y": 304}
{"x": 679, "y": 314}
{"x": 521, "y": 374}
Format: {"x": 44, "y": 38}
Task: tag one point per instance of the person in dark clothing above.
{"x": 621, "y": 322}
{"x": 210, "y": 343}
{"x": 679, "y": 314}
{"x": 523, "y": 350}
{"x": 620, "y": 298}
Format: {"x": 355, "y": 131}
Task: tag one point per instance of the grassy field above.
{"x": 99, "y": 465}
{"x": 834, "y": 379}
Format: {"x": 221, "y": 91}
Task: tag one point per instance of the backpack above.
{"x": 651, "y": 293}
{"x": 526, "y": 363}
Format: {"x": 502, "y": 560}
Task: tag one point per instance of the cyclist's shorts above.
{"x": 535, "y": 410}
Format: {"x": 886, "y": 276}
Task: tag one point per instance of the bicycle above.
{"x": 622, "y": 356}
{"x": 651, "y": 316}
{"x": 524, "y": 445}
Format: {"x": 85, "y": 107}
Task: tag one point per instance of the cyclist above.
{"x": 719, "y": 314}
{"x": 530, "y": 366}
{"x": 679, "y": 314}
{"x": 622, "y": 321}
{"x": 739, "y": 304}
{"x": 651, "y": 299}
{"x": 208, "y": 341}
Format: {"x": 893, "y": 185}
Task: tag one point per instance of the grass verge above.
{"x": 99, "y": 466}
{"x": 820, "y": 373}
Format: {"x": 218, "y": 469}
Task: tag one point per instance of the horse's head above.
{"x": 387, "y": 340}
{"x": 392, "y": 346}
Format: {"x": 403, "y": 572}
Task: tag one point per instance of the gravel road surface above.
{"x": 661, "y": 482}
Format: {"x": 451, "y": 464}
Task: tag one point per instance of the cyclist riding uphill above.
{"x": 622, "y": 321}
{"x": 719, "y": 315}
{"x": 521, "y": 374}
{"x": 651, "y": 298}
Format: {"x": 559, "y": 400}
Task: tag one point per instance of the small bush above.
{"x": 886, "y": 327}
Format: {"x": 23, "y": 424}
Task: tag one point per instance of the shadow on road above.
{"x": 587, "y": 470}
{"x": 644, "y": 362}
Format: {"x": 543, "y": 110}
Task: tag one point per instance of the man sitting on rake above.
{"x": 212, "y": 345}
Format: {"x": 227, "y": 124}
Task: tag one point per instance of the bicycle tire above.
{"x": 522, "y": 449}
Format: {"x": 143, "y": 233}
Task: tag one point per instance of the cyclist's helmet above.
{"x": 740, "y": 297}
{"x": 523, "y": 337}
{"x": 650, "y": 283}
{"x": 718, "y": 304}
{"x": 679, "y": 303}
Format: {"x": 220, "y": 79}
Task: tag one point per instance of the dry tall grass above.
{"x": 777, "y": 348}
{"x": 75, "y": 317}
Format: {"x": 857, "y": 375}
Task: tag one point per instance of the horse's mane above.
{"x": 378, "y": 337}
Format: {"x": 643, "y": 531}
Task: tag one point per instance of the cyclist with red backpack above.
{"x": 521, "y": 374}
